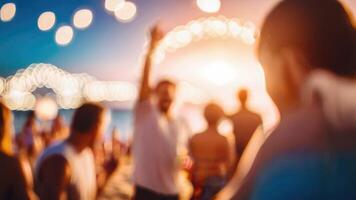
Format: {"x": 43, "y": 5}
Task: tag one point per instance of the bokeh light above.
{"x": 2, "y": 85}
{"x": 209, "y": 6}
{"x": 46, "y": 109}
{"x": 7, "y": 12}
{"x": 64, "y": 35}
{"x": 70, "y": 90}
{"x": 46, "y": 21}
{"x": 205, "y": 28}
{"x": 18, "y": 100}
{"x": 82, "y": 18}
{"x": 112, "y": 5}
{"x": 126, "y": 13}
{"x": 110, "y": 91}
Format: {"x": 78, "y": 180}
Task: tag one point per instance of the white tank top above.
{"x": 82, "y": 166}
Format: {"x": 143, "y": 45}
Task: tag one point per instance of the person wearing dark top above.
{"x": 245, "y": 122}
{"x": 13, "y": 185}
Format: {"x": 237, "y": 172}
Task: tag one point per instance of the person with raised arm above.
{"x": 158, "y": 136}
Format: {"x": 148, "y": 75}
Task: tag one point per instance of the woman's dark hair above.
{"x": 321, "y": 29}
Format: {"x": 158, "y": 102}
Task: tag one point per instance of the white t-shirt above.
{"x": 157, "y": 143}
{"x": 82, "y": 166}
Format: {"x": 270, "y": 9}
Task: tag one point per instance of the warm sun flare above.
{"x": 213, "y": 68}
{"x": 219, "y": 73}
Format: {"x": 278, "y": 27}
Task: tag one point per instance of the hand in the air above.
{"x": 156, "y": 35}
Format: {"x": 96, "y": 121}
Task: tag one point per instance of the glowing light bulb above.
{"x": 7, "y": 12}
{"x": 209, "y": 6}
{"x": 112, "y": 5}
{"x": 46, "y": 21}
{"x": 83, "y": 18}
{"x": 46, "y": 109}
{"x": 64, "y": 35}
{"x": 126, "y": 13}
{"x": 205, "y": 28}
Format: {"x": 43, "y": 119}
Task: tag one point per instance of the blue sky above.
{"x": 108, "y": 49}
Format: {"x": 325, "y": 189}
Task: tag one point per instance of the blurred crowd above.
{"x": 308, "y": 51}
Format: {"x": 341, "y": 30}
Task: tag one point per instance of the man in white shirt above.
{"x": 66, "y": 170}
{"x": 156, "y": 137}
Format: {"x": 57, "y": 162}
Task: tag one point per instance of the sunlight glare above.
{"x": 219, "y": 73}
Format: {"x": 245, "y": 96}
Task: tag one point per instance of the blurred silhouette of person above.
{"x": 13, "y": 182}
{"x": 245, "y": 123}
{"x": 308, "y": 51}
{"x": 115, "y": 144}
{"x": 107, "y": 150}
{"x": 66, "y": 170}
{"x": 59, "y": 131}
{"x": 29, "y": 141}
{"x": 210, "y": 153}
{"x": 157, "y": 136}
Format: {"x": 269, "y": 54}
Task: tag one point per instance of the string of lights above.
{"x": 205, "y": 28}
{"x": 70, "y": 89}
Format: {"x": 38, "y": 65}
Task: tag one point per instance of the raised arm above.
{"x": 109, "y": 167}
{"x": 145, "y": 90}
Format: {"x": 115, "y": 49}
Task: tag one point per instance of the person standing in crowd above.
{"x": 308, "y": 51}
{"x": 29, "y": 141}
{"x": 157, "y": 136}
{"x": 59, "y": 131}
{"x": 116, "y": 146}
{"x": 13, "y": 182}
{"x": 67, "y": 170}
{"x": 245, "y": 123}
{"x": 210, "y": 153}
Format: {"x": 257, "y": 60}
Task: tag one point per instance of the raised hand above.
{"x": 111, "y": 165}
{"x": 156, "y": 35}
{"x": 145, "y": 91}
